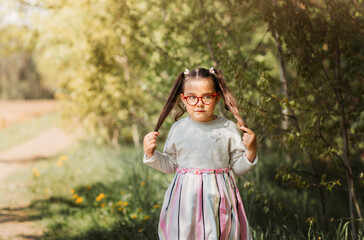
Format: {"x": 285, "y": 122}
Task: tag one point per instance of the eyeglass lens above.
{"x": 193, "y": 100}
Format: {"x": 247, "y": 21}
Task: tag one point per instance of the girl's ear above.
{"x": 218, "y": 97}
{"x": 182, "y": 99}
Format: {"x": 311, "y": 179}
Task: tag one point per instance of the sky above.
{"x": 13, "y": 12}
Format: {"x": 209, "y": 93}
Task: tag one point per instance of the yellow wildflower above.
{"x": 146, "y": 217}
{"x": 133, "y": 216}
{"x": 88, "y": 187}
{"x": 72, "y": 191}
{"x": 59, "y": 163}
{"x": 74, "y": 196}
{"x": 120, "y": 209}
{"x": 141, "y": 230}
{"x": 125, "y": 204}
{"x": 79, "y": 200}
{"x": 100, "y": 196}
{"x": 35, "y": 172}
{"x": 142, "y": 183}
{"x": 119, "y": 203}
{"x": 156, "y": 206}
{"x": 139, "y": 210}
{"x": 63, "y": 157}
{"x": 102, "y": 204}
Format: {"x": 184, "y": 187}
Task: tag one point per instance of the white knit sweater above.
{"x": 214, "y": 144}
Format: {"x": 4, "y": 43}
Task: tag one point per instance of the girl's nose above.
{"x": 199, "y": 103}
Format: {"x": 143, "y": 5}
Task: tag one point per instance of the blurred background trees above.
{"x": 295, "y": 67}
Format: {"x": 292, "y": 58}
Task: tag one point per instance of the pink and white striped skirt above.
{"x": 203, "y": 204}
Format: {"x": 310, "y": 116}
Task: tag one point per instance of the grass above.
{"x": 96, "y": 192}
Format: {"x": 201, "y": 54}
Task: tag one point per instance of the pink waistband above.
{"x": 202, "y": 171}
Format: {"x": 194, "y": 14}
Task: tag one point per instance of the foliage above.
{"x": 321, "y": 41}
{"x": 121, "y": 75}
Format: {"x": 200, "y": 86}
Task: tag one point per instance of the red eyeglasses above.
{"x": 207, "y": 99}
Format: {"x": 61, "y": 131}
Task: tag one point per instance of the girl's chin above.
{"x": 198, "y": 116}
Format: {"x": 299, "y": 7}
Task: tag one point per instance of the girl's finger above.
{"x": 150, "y": 144}
{"x": 246, "y": 136}
{"x": 247, "y": 139}
{"x": 152, "y": 135}
{"x": 245, "y": 129}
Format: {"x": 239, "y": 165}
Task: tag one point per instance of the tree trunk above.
{"x": 284, "y": 91}
{"x": 349, "y": 175}
{"x": 135, "y": 132}
{"x": 345, "y": 142}
{"x": 115, "y": 139}
{"x": 285, "y": 125}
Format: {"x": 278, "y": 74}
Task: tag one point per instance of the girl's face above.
{"x": 199, "y": 88}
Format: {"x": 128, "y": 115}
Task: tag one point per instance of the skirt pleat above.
{"x": 203, "y": 204}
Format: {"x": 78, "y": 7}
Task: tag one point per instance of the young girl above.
{"x": 203, "y": 201}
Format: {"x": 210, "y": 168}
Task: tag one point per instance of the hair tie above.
{"x": 186, "y": 71}
{"x": 212, "y": 70}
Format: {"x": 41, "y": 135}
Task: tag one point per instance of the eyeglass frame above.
{"x": 198, "y": 99}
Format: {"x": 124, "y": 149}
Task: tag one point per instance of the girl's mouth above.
{"x": 199, "y": 111}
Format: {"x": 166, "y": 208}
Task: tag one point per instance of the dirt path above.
{"x": 16, "y": 222}
{"x": 16, "y": 111}
{"x": 44, "y": 145}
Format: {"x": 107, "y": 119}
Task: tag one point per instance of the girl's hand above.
{"x": 250, "y": 143}
{"x": 150, "y": 143}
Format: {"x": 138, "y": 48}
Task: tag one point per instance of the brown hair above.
{"x": 220, "y": 87}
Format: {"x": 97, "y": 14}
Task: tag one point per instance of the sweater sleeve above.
{"x": 239, "y": 163}
{"x": 166, "y": 161}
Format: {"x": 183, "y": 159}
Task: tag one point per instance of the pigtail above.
{"x": 182, "y": 110}
{"x": 170, "y": 101}
{"x": 230, "y": 103}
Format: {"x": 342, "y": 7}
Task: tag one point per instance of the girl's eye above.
{"x": 192, "y": 97}
{"x": 207, "y": 97}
